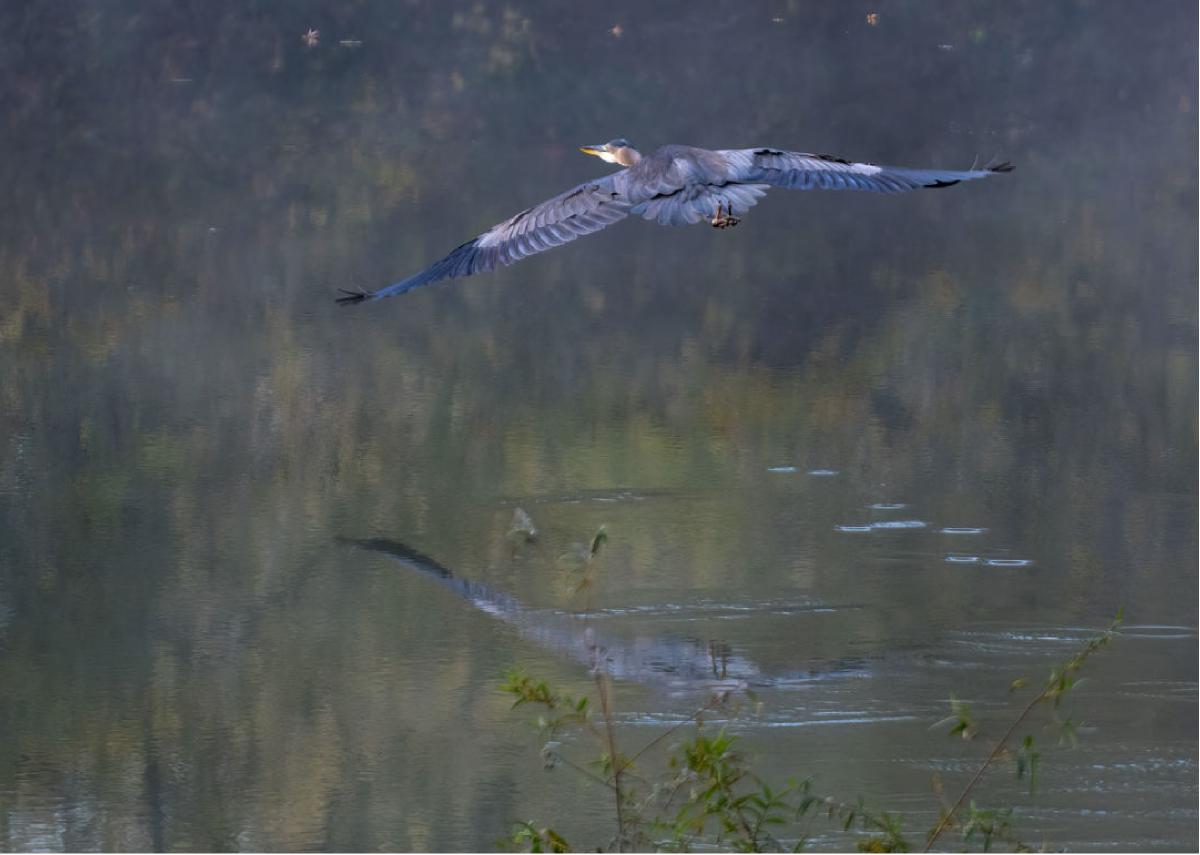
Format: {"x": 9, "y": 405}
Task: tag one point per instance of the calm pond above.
{"x": 863, "y": 453}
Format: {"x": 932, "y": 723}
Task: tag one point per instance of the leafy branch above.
{"x": 1060, "y": 682}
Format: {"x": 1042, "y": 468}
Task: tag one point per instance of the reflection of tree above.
{"x": 185, "y": 422}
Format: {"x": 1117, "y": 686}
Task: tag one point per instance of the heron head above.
{"x": 619, "y": 151}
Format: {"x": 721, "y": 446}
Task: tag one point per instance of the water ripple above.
{"x": 707, "y": 609}
{"x": 1008, "y": 562}
{"x": 883, "y": 525}
{"x": 864, "y": 719}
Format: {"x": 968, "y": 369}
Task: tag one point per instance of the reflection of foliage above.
{"x": 582, "y": 558}
{"x": 521, "y": 530}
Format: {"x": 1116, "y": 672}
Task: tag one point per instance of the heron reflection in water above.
{"x": 677, "y": 185}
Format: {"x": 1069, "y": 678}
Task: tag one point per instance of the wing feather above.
{"x": 801, "y": 171}
{"x": 579, "y": 211}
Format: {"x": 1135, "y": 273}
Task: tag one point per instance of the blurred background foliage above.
{"x": 186, "y": 422}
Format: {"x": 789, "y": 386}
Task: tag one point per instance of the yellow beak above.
{"x": 596, "y": 150}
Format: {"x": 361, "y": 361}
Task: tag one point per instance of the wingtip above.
{"x": 349, "y": 298}
{"x": 1006, "y": 166}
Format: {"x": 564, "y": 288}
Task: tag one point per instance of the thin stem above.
{"x": 1073, "y": 664}
{"x": 587, "y": 773}
{"x": 679, "y": 782}
{"x": 945, "y": 820}
{"x": 750, "y": 833}
{"x": 602, "y": 688}
{"x": 712, "y": 702}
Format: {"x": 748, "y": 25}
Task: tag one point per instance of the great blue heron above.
{"x": 676, "y": 185}
{"x": 644, "y": 657}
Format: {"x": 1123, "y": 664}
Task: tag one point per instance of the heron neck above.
{"x": 628, "y": 156}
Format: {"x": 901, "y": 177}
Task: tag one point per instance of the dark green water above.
{"x": 190, "y": 656}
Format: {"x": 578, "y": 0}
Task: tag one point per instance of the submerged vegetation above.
{"x": 708, "y": 794}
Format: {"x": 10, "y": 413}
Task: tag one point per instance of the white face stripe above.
{"x": 606, "y": 156}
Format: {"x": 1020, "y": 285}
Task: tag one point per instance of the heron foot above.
{"x": 724, "y": 218}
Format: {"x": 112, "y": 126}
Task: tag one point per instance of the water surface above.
{"x": 936, "y": 440}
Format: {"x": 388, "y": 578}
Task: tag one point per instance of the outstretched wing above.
{"x": 579, "y": 211}
{"x": 799, "y": 171}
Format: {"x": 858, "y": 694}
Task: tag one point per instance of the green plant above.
{"x": 1054, "y": 691}
{"x": 533, "y": 839}
{"x": 709, "y": 793}
{"x": 723, "y": 790}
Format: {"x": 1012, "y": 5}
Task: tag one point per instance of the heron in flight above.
{"x": 676, "y": 185}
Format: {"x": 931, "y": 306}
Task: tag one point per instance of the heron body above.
{"x": 646, "y": 657}
{"x": 676, "y": 185}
